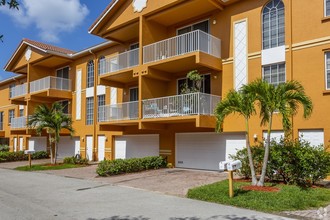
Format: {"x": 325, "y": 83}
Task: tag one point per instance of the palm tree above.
{"x": 53, "y": 120}
{"x": 283, "y": 99}
{"x": 243, "y": 104}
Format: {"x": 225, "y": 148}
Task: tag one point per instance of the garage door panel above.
{"x": 314, "y": 137}
{"x": 136, "y": 146}
{"x": 38, "y": 143}
{"x": 67, "y": 146}
{"x": 205, "y": 150}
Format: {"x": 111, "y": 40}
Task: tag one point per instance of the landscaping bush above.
{"x": 20, "y": 156}
{"x": 293, "y": 162}
{"x": 74, "y": 160}
{"x": 4, "y": 148}
{"x": 120, "y": 166}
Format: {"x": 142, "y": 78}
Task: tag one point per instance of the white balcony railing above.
{"x": 50, "y": 82}
{"x": 118, "y": 112}
{"x": 18, "y": 123}
{"x": 180, "y": 105}
{"x": 182, "y": 44}
{"x": 19, "y": 90}
{"x": 120, "y": 62}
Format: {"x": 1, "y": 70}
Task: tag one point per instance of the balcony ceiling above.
{"x": 126, "y": 33}
{"x": 185, "y": 11}
{"x": 53, "y": 61}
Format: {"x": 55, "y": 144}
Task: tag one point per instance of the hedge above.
{"x": 293, "y": 162}
{"x": 20, "y": 156}
{"x": 74, "y": 160}
{"x": 120, "y": 166}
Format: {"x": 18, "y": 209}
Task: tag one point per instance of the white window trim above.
{"x": 326, "y": 70}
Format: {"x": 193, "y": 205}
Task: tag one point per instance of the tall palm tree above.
{"x": 53, "y": 120}
{"x": 283, "y": 99}
{"x": 243, "y": 104}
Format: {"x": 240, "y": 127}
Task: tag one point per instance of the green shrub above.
{"x": 4, "y": 148}
{"x": 20, "y": 156}
{"x": 293, "y": 162}
{"x": 120, "y": 166}
{"x": 74, "y": 160}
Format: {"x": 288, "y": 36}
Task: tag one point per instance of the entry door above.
{"x": 89, "y": 147}
{"x": 20, "y": 143}
{"x": 15, "y": 144}
{"x": 101, "y": 147}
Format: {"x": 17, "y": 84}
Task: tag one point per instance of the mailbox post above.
{"x": 29, "y": 152}
{"x": 231, "y": 167}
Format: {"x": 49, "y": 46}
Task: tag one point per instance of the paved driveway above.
{"x": 25, "y": 195}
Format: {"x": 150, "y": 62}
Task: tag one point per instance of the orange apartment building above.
{"x": 124, "y": 95}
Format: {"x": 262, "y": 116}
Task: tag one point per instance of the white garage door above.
{"x": 314, "y": 137}
{"x": 136, "y": 146}
{"x": 206, "y": 150}
{"x": 274, "y": 136}
{"x": 67, "y": 146}
{"x": 38, "y": 143}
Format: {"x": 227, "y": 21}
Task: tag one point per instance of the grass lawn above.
{"x": 48, "y": 167}
{"x": 287, "y": 199}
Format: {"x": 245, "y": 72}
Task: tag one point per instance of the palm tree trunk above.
{"x": 266, "y": 155}
{"x": 56, "y": 149}
{"x": 51, "y": 149}
{"x": 253, "y": 173}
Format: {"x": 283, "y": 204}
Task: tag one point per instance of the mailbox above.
{"x": 29, "y": 152}
{"x": 234, "y": 165}
{"x": 223, "y": 165}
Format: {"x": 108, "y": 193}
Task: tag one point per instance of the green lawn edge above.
{"x": 40, "y": 167}
{"x": 289, "y": 198}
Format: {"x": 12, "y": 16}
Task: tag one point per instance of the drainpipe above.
{"x": 95, "y": 104}
{"x": 291, "y": 57}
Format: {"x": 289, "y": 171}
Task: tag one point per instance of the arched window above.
{"x": 102, "y": 66}
{"x": 273, "y": 27}
{"x": 90, "y": 74}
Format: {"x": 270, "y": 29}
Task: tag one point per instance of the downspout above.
{"x": 94, "y": 104}
{"x": 291, "y": 58}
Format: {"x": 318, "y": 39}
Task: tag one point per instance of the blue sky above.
{"x": 63, "y": 23}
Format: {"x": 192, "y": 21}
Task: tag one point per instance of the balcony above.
{"x": 51, "y": 87}
{"x": 197, "y": 47}
{"x": 19, "y": 123}
{"x": 18, "y": 91}
{"x": 119, "y": 112}
{"x": 118, "y": 69}
{"x": 180, "y": 105}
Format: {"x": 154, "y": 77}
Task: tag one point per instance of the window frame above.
{"x": 89, "y": 110}
{"x": 270, "y": 27}
{"x": 135, "y": 88}
{"x": 325, "y": 8}
{"x": 100, "y": 102}
{"x": 1, "y": 121}
{"x": 192, "y": 24}
{"x": 61, "y": 69}
{"x": 90, "y": 78}
{"x": 11, "y": 87}
{"x": 274, "y": 64}
{"x": 11, "y": 115}
{"x": 326, "y": 70}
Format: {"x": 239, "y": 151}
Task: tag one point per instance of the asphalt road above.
{"x": 34, "y": 196}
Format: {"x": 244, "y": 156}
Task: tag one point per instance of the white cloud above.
{"x": 50, "y": 17}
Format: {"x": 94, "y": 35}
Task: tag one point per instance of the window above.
{"x": 63, "y": 73}
{"x": 1, "y": 121}
{"x": 205, "y": 86}
{"x": 327, "y": 70}
{"x": 11, "y": 90}
{"x": 102, "y": 65}
{"x": 273, "y": 28}
{"x": 203, "y": 26}
{"x": 11, "y": 115}
{"x": 100, "y": 102}
{"x": 90, "y": 74}
{"x": 21, "y": 112}
{"x": 65, "y": 105}
{"x": 274, "y": 74}
{"x": 89, "y": 111}
{"x": 134, "y": 94}
{"x": 327, "y": 7}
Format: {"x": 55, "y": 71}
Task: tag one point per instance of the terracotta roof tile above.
{"x": 49, "y": 47}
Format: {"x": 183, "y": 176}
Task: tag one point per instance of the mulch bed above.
{"x": 261, "y": 188}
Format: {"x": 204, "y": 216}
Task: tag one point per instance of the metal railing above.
{"x": 118, "y": 112}
{"x": 19, "y": 90}
{"x": 180, "y": 105}
{"x": 50, "y": 82}
{"x": 182, "y": 44}
{"x": 119, "y": 62}
{"x": 17, "y": 123}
